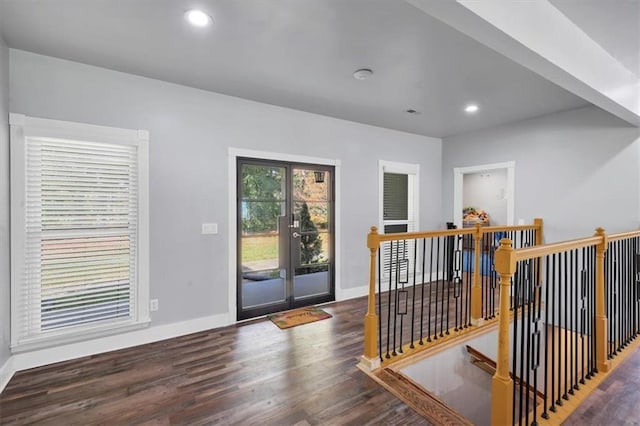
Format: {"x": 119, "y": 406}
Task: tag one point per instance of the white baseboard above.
{"x": 37, "y": 358}
{"x": 6, "y": 373}
{"x": 352, "y": 293}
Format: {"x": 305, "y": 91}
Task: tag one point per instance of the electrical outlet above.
{"x": 153, "y": 305}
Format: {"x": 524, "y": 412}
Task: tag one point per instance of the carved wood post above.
{"x": 502, "y": 384}
{"x": 476, "y": 288}
{"x": 602, "y": 361}
{"x": 370, "y": 359}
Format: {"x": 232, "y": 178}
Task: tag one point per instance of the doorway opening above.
{"x": 285, "y": 236}
{"x": 488, "y": 190}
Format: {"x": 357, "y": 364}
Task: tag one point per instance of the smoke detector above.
{"x": 362, "y": 74}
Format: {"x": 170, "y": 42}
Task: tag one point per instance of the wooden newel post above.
{"x": 602, "y": 361}
{"x": 538, "y": 223}
{"x": 476, "y": 287}
{"x": 370, "y": 359}
{"x": 502, "y": 384}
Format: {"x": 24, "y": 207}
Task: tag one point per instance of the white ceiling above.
{"x": 613, "y": 24}
{"x": 299, "y": 54}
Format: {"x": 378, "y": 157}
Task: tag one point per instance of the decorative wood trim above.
{"x": 422, "y": 401}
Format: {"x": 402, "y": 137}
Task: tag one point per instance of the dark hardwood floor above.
{"x": 253, "y": 373}
{"x": 616, "y": 401}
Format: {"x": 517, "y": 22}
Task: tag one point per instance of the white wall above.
{"x": 191, "y": 131}
{"x": 576, "y": 169}
{"x": 486, "y": 191}
{"x": 4, "y": 208}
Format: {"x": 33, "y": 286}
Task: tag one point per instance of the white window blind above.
{"x": 81, "y": 239}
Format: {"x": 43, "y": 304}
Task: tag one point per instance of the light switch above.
{"x": 209, "y": 228}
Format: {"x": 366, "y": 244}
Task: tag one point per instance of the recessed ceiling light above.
{"x": 362, "y": 74}
{"x": 197, "y": 18}
{"x": 471, "y": 108}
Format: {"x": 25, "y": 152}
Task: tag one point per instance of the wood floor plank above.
{"x": 252, "y": 373}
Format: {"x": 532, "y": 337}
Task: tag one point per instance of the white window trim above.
{"x": 413, "y": 171}
{"x": 458, "y": 188}
{"x": 21, "y": 127}
{"x": 400, "y": 168}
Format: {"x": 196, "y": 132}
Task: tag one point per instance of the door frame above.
{"x": 233, "y": 154}
{"x": 458, "y": 188}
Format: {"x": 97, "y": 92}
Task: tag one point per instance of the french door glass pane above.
{"x": 263, "y": 202}
{"x": 311, "y": 208}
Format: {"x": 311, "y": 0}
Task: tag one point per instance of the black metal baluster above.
{"x": 457, "y": 285}
{"x": 430, "y": 291}
{"x": 413, "y": 295}
{"x": 523, "y": 291}
{"x": 515, "y": 345}
{"x": 529, "y": 341}
{"x": 424, "y": 257}
{"x": 389, "y": 298}
{"x": 525, "y": 336}
{"x": 626, "y": 293}
{"x": 492, "y": 278}
{"x": 514, "y": 301}
{"x": 617, "y": 301}
{"x": 379, "y": 304}
{"x": 552, "y": 284}
{"x": 486, "y": 289}
{"x": 566, "y": 326}
{"x": 537, "y": 344}
{"x": 545, "y": 414}
{"x": 571, "y": 327}
{"x": 469, "y": 283}
{"x": 442, "y": 314}
{"x": 395, "y": 300}
{"x": 594, "y": 364}
{"x": 435, "y": 335}
{"x": 466, "y": 273}
{"x": 559, "y": 328}
{"x": 583, "y": 313}
{"x": 446, "y": 282}
{"x": 636, "y": 287}
{"x": 607, "y": 295}
{"x": 576, "y": 319}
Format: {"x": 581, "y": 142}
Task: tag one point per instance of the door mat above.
{"x": 298, "y": 317}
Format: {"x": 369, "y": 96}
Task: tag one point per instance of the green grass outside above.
{"x": 259, "y": 248}
{"x": 265, "y": 247}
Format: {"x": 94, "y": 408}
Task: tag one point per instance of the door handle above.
{"x": 296, "y": 235}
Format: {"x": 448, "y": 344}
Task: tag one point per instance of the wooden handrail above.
{"x": 428, "y": 234}
{"x": 554, "y": 248}
{"x": 623, "y": 236}
{"x": 453, "y": 232}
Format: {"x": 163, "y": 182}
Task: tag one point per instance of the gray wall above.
{"x": 190, "y": 133}
{"x": 576, "y": 169}
{"x": 4, "y": 204}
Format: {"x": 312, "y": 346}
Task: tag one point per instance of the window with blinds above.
{"x": 80, "y": 237}
{"x": 399, "y": 214}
